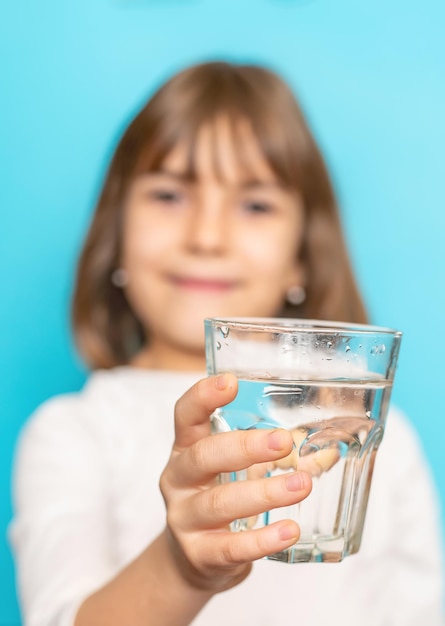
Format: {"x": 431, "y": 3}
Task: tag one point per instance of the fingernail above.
{"x": 287, "y": 532}
{"x": 221, "y": 382}
{"x": 277, "y": 440}
{"x": 296, "y": 482}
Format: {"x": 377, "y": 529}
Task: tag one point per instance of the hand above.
{"x": 199, "y": 509}
{"x": 315, "y": 462}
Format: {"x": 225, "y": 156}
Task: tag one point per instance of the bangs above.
{"x": 269, "y": 111}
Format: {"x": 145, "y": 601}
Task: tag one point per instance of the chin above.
{"x": 191, "y": 336}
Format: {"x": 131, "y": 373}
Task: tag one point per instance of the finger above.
{"x": 193, "y": 409}
{"x": 292, "y": 459}
{"x": 320, "y": 461}
{"x": 218, "y": 506}
{"x": 228, "y": 452}
{"x": 227, "y": 549}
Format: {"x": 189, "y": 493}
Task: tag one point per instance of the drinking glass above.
{"x": 329, "y": 385}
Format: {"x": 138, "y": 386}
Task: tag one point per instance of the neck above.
{"x": 169, "y": 358}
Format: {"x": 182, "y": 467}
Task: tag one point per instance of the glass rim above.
{"x": 293, "y": 324}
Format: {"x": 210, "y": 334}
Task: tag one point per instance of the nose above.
{"x": 208, "y": 226}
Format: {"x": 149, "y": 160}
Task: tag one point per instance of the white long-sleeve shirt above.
{"x": 87, "y": 501}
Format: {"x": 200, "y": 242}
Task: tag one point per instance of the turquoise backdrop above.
{"x": 371, "y": 76}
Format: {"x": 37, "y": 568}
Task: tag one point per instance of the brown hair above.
{"x": 106, "y": 330}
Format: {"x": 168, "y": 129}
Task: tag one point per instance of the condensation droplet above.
{"x": 378, "y": 349}
{"x": 329, "y": 344}
{"x": 348, "y": 349}
{"x": 218, "y": 345}
{"x": 368, "y": 414}
{"x": 224, "y": 330}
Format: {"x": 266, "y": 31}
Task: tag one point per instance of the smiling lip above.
{"x": 204, "y": 284}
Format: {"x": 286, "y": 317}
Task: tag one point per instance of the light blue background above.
{"x": 371, "y": 76}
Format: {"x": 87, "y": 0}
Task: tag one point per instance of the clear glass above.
{"x": 329, "y": 384}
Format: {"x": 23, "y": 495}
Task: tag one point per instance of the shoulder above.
{"x": 111, "y": 400}
{"x": 113, "y": 388}
{"x": 401, "y": 441}
{"x": 402, "y": 465}
{"x": 401, "y": 449}
{"x": 397, "y": 421}
{"x": 123, "y": 384}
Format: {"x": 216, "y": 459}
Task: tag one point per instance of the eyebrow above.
{"x": 255, "y": 183}
{"x": 248, "y": 184}
{"x": 176, "y": 175}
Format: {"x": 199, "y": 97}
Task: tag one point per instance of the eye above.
{"x": 258, "y": 206}
{"x": 165, "y": 196}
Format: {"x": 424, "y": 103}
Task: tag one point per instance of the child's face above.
{"x": 225, "y": 244}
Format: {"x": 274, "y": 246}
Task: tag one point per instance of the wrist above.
{"x": 207, "y": 583}
{"x": 175, "y": 575}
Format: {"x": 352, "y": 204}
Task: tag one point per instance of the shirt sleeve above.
{"x": 60, "y": 532}
{"x": 415, "y": 557}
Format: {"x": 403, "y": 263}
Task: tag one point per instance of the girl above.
{"x": 217, "y": 203}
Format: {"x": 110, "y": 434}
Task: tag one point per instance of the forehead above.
{"x": 224, "y": 150}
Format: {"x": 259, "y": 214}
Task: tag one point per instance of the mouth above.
{"x": 205, "y": 285}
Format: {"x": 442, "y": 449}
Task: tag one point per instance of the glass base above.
{"x": 332, "y": 551}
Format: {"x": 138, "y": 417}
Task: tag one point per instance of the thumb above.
{"x": 193, "y": 409}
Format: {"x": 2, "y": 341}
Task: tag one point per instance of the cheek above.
{"x": 142, "y": 241}
{"x": 275, "y": 252}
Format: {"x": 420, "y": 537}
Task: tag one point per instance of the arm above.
{"x": 67, "y": 558}
{"x": 197, "y": 555}
{"x": 148, "y": 591}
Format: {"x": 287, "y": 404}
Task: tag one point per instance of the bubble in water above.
{"x": 218, "y": 345}
{"x": 224, "y": 330}
{"x": 329, "y": 344}
{"x": 348, "y": 349}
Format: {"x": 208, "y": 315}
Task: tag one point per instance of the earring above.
{"x": 296, "y": 295}
{"x": 119, "y": 277}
